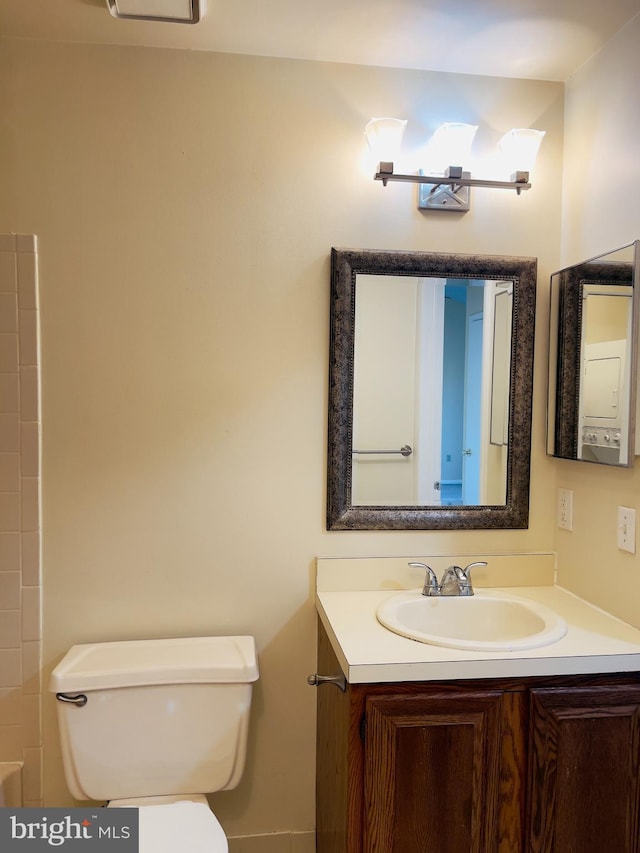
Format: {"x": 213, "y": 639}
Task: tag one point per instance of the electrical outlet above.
{"x": 627, "y": 529}
{"x": 565, "y": 509}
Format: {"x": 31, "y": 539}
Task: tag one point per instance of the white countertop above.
{"x": 368, "y": 653}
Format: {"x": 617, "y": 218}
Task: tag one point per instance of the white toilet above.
{"x": 157, "y": 724}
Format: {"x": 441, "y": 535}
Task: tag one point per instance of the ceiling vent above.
{"x": 171, "y": 11}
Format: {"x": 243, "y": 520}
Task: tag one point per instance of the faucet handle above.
{"x": 467, "y": 588}
{"x": 431, "y": 586}
{"x": 468, "y": 568}
{"x": 457, "y": 581}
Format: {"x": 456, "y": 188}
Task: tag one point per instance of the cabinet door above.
{"x": 431, "y": 772}
{"x": 584, "y": 770}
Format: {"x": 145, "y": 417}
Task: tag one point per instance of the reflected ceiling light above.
{"x": 171, "y": 11}
{"x": 451, "y": 144}
{"x": 384, "y": 136}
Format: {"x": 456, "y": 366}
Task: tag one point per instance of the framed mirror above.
{"x": 593, "y": 358}
{"x": 430, "y": 385}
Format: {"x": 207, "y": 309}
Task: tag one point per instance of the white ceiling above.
{"x": 541, "y": 39}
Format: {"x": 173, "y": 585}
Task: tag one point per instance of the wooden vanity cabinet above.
{"x": 542, "y": 765}
{"x": 584, "y": 767}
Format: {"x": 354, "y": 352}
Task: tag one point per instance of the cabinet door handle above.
{"x": 316, "y": 680}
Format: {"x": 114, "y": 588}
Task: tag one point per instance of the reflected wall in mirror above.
{"x": 429, "y": 409}
{"x": 593, "y": 359}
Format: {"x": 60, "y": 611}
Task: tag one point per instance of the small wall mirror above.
{"x": 429, "y": 406}
{"x": 593, "y": 359}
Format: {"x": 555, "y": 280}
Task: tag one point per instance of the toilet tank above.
{"x": 161, "y": 716}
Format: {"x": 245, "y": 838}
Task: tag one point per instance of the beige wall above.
{"x": 185, "y": 205}
{"x": 601, "y": 214}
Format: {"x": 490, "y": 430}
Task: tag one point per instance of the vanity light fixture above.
{"x": 450, "y": 190}
{"x": 451, "y": 143}
{"x": 170, "y": 11}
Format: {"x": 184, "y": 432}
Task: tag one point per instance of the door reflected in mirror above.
{"x": 429, "y": 407}
{"x": 432, "y": 359}
{"x": 592, "y": 364}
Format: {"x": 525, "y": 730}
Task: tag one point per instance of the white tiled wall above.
{"x": 20, "y": 565}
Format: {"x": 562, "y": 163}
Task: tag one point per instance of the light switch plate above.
{"x": 627, "y": 529}
{"x": 565, "y": 509}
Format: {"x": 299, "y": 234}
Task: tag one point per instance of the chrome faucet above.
{"x": 455, "y": 580}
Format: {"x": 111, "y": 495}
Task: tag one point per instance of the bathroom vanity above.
{"x": 436, "y": 750}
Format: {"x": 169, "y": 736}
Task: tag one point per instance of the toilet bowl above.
{"x": 167, "y": 824}
{"x": 155, "y": 725}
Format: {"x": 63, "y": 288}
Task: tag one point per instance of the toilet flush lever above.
{"x": 316, "y": 680}
{"x": 79, "y": 699}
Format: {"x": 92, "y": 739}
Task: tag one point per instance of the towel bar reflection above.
{"x": 405, "y": 450}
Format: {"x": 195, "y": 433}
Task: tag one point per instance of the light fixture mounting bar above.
{"x": 385, "y": 173}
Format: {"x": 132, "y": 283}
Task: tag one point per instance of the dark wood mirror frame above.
{"x": 346, "y": 264}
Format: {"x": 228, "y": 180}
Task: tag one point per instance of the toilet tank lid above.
{"x": 129, "y": 663}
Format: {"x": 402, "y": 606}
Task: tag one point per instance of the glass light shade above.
{"x": 519, "y": 147}
{"x": 384, "y": 136}
{"x": 451, "y": 144}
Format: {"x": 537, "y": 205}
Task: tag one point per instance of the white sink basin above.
{"x": 487, "y": 621}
